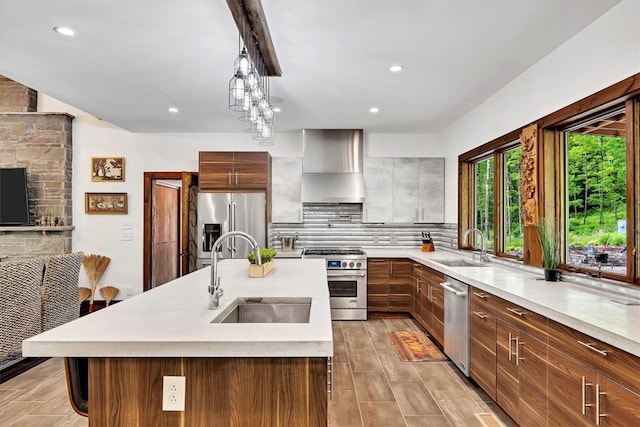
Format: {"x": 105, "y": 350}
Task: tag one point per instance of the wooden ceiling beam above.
{"x": 252, "y": 26}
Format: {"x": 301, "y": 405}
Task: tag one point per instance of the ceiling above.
{"x": 133, "y": 59}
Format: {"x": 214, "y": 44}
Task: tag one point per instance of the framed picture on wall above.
{"x": 105, "y": 203}
{"x": 107, "y": 169}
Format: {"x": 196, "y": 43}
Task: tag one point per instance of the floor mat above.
{"x": 414, "y": 347}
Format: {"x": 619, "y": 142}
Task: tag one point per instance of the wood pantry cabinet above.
{"x": 389, "y": 284}
{"x": 483, "y": 340}
{"x": 430, "y": 301}
{"x": 233, "y": 171}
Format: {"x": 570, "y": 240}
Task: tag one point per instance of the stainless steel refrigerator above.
{"x": 219, "y": 213}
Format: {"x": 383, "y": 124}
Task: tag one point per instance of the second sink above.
{"x": 459, "y": 263}
{"x": 267, "y": 310}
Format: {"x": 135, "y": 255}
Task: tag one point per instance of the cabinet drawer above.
{"x": 377, "y": 268}
{"x": 522, "y": 318}
{"x": 611, "y": 361}
{"x": 483, "y": 301}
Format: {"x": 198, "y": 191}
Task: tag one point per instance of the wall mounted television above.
{"x": 14, "y": 197}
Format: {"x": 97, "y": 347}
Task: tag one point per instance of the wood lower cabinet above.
{"x": 521, "y": 363}
{"x": 548, "y": 374}
{"x": 401, "y": 290}
{"x": 233, "y": 171}
{"x": 219, "y": 391}
{"x": 590, "y": 382}
{"x": 390, "y": 285}
{"x": 483, "y": 340}
{"x": 430, "y": 301}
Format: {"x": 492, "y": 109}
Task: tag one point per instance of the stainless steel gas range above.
{"x": 347, "y": 280}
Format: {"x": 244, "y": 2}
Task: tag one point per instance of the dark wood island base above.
{"x": 219, "y": 391}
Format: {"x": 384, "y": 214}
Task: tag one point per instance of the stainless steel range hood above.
{"x": 332, "y": 166}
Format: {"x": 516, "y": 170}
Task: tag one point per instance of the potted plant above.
{"x": 266, "y": 258}
{"x": 550, "y": 245}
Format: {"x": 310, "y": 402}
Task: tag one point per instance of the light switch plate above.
{"x": 126, "y": 236}
{"x": 173, "y": 393}
{"x": 126, "y": 225}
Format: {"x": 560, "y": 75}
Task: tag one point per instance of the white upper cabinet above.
{"x": 403, "y": 189}
{"x": 286, "y": 189}
{"x": 431, "y": 190}
{"x": 378, "y": 187}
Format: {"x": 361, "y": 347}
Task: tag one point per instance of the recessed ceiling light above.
{"x": 172, "y": 109}
{"x": 65, "y": 31}
{"x": 276, "y": 109}
{"x": 374, "y": 110}
{"x": 396, "y": 68}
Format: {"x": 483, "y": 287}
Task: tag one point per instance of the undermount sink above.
{"x": 266, "y": 310}
{"x": 460, "y": 263}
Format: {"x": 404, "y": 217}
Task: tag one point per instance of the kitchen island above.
{"x": 236, "y": 373}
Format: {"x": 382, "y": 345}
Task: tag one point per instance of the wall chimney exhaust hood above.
{"x": 332, "y": 166}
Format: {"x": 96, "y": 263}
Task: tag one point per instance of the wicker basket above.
{"x": 260, "y": 270}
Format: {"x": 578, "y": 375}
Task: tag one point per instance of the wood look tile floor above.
{"x": 372, "y": 387}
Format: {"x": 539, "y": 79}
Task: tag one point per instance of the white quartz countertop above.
{"x": 586, "y": 309}
{"x": 172, "y": 320}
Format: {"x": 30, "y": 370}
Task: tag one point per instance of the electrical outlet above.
{"x": 173, "y": 393}
{"x": 126, "y": 225}
{"x": 394, "y": 240}
{"x": 129, "y": 292}
{"x": 376, "y": 239}
{"x": 126, "y": 236}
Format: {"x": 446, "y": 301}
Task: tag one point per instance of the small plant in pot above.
{"x": 550, "y": 245}
{"x": 266, "y": 255}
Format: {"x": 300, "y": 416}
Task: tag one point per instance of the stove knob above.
{"x": 358, "y": 264}
{"x": 351, "y": 264}
{"x": 344, "y": 264}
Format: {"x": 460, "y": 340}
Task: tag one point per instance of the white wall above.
{"x": 602, "y": 54}
{"x": 605, "y": 52}
{"x": 147, "y": 152}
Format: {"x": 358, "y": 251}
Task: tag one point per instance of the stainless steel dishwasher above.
{"x": 456, "y": 322}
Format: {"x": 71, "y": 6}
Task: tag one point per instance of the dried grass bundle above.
{"x": 94, "y": 265}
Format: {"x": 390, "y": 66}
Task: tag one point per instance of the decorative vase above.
{"x": 260, "y": 270}
{"x": 551, "y": 275}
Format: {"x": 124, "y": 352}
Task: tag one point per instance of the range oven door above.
{"x": 347, "y": 288}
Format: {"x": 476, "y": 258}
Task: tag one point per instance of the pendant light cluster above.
{"x": 249, "y": 95}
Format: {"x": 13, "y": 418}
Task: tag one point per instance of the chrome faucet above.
{"x": 215, "y": 291}
{"x": 483, "y": 254}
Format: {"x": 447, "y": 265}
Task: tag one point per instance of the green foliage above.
{"x": 549, "y": 242}
{"x": 266, "y": 255}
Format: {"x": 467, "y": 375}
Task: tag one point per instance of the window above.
{"x": 513, "y": 232}
{"x": 596, "y": 197}
{"x": 484, "y": 200}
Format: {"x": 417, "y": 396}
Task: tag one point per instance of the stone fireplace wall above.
{"x": 41, "y": 142}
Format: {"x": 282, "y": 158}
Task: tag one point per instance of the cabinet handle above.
{"x": 480, "y": 295}
{"x": 480, "y": 315}
{"x": 229, "y": 178}
{"x": 598, "y": 414}
{"x": 585, "y": 384}
{"x": 592, "y": 348}
{"x": 515, "y": 311}
{"x": 236, "y": 178}
{"x": 391, "y": 267}
{"x": 518, "y": 344}
{"x": 417, "y": 286}
{"x": 430, "y": 293}
{"x": 510, "y": 339}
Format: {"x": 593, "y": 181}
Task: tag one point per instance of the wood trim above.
{"x": 592, "y": 104}
{"x": 252, "y": 26}
{"x": 502, "y": 143}
{"x": 633, "y": 189}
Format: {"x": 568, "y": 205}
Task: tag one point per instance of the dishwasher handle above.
{"x": 449, "y": 288}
